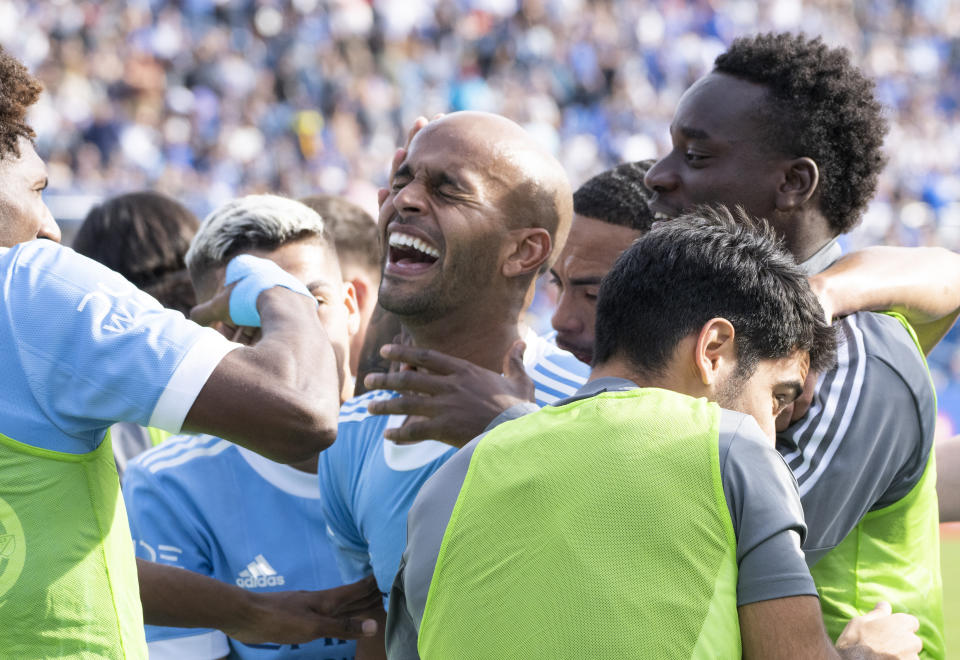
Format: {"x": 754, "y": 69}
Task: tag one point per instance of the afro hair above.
{"x": 617, "y": 196}
{"x": 822, "y": 107}
{"x": 18, "y": 91}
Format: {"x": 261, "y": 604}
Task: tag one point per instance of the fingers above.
{"x": 881, "y": 610}
{"x": 418, "y": 124}
{"x": 333, "y": 601}
{"x": 345, "y": 627}
{"x": 406, "y": 380}
{"x": 435, "y": 361}
{"x": 423, "y": 406}
{"x": 414, "y": 431}
{"x": 215, "y": 309}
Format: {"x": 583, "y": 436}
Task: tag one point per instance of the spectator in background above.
{"x": 355, "y": 235}
{"x": 144, "y": 237}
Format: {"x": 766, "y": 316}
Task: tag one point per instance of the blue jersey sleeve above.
{"x": 337, "y": 470}
{"x": 164, "y": 530}
{"x": 89, "y": 349}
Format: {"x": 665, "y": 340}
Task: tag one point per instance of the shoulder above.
{"x": 744, "y": 446}
{"x": 358, "y": 433}
{"x": 556, "y": 373}
{"x": 58, "y": 262}
{"x": 188, "y": 453}
{"x": 355, "y": 409}
{"x": 885, "y": 337}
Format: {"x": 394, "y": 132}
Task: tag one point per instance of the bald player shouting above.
{"x": 473, "y": 214}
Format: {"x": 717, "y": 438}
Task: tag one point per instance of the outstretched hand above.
{"x": 447, "y": 398}
{"x": 883, "y": 633}
{"x": 352, "y": 611}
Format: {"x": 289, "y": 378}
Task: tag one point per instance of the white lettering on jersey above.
{"x": 122, "y": 317}
{"x": 259, "y": 573}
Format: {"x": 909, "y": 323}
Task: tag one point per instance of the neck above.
{"x": 482, "y": 341}
{"x": 676, "y": 380}
{"x": 805, "y": 234}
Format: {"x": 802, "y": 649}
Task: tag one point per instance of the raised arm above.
{"x": 921, "y": 283}
{"x": 279, "y": 397}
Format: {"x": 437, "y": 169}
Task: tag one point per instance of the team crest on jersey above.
{"x": 259, "y": 573}
{"x": 13, "y": 547}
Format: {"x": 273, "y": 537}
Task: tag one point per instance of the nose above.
{"x": 662, "y": 176}
{"x": 49, "y": 228}
{"x": 565, "y": 320}
{"x": 409, "y": 200}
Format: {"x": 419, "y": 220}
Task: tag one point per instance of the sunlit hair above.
{"x": 18, "y": 91}
{"x": 254, "y": 222}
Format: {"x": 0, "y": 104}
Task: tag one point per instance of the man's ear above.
{"x": 715, "y": 351}
{"x": 525, "y": 251}
{"x": 353, "y": 307}
{"x": 801, "y": 176}
{"x": 362, "y": 290}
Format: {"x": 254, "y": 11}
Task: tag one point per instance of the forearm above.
{"x": 180, "y": 598}
{"x": 925, "y": 281}
{"x": 921, "y": 283}
{"x": 281, "y": 396}
{"x": 948, "y": 479}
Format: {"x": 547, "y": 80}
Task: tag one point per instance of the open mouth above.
{"x": 660, "y": 210}
{"x": 410, "y": 254}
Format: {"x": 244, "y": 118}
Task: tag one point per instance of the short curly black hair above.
{"x": 18, "y": 91}
{"x": 822, "y": 107}
{"x": 617, "y": 196}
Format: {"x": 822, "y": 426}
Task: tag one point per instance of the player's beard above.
{"x": 465, "y": 278}
{"x": 730, "y": 390}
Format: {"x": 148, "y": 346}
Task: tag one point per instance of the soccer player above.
{"x": 637, "y": 519}
{"x": 358, "y": 249}
{"x": 473, "y": 214}
{"x": 609, "y": 212}
{"x": 82, "y": 349}
{"x": 789, "y": 129}
{"x": 215, "y": 508}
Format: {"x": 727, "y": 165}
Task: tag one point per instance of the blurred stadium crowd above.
{"x": 209, "y": 99}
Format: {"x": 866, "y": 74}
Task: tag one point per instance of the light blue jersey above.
{"x": 369, "y": 483}
{"x": 83, "y": 348}
{"x": 214, "y": 508}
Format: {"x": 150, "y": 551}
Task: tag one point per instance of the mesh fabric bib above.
{"x": 892, "y": 554}
{"x": 598, "y": 529}
{"x": 68, "y": 579}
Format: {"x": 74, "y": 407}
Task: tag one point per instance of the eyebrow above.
{"x": 319, "y": 284}
{"x": 403, "y": 170}
{"x": 694, "y": 133}
{"x": 795, "y": 387}
{"x": 585, "y": 281}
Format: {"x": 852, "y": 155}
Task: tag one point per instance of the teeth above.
{"x": 403, "y": 240}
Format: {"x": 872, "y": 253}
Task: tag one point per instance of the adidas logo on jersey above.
{"x": 259, "y": 573}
